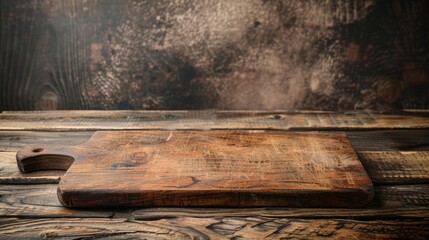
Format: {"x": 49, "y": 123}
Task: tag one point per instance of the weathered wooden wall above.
{"x": 199, "y": 54}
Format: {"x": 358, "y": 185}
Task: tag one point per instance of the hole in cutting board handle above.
{"x": 37, "y": 157}
{"x": 37, "y": 150}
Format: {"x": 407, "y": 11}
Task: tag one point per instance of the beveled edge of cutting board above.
{"x": 236, "y": 198}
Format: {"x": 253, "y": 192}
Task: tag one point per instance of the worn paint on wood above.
{"x": 253, "y": 54}
{"x": 216, "y": 168}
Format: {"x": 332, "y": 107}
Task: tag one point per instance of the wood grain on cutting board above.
{"x": 198, "y": 168}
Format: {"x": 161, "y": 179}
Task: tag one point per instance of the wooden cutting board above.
{"x": 206, "y": 168}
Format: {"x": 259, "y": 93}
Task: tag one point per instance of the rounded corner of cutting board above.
{"x": 369, "y": 191}
{"x": 66, "y": 194}
{"x": 63, "y": 198}
{"x": 362, "y": 196}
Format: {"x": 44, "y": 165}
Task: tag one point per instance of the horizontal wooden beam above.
{"x": 209, "y": 120}
{"x": 396, "y": 167}
{"x": 213, "y": 228}
{"x": 39, "y": 201}
{"x": 406, "y": 201}
{"x": 374, "y": 140}
{"x": 14, "y": 140}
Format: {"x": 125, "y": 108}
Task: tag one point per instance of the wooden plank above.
{"x": 406, "y": 201}
{"x": 389, "y": 140}
{"x": 15, "y": 140}
{"x": 308, "y": 213}
{"x": 212, "y": 168}
{"x": 375, "y": 140}
{"x": 396, "y": 167}
{"x": 206, "y": 120}
{"x": 213, "y": 228}
{"x": 10, "y": 174}
{"x": 39, "y": 201}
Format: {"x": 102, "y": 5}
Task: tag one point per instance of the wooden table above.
{"x": 394, "y": 149}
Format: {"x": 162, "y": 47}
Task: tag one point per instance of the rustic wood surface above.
{"x": 390, "y": 169}
{"x": 253, "y": 54}
{"x": 396, "y": 159}
{"x": 213, "y": 228}
{"x": 205, "y": 168}
{"x": 210, "y": 120}
{"x": 39, "y": 200}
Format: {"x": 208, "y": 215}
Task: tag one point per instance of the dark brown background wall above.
{"x": 244, "y": 54}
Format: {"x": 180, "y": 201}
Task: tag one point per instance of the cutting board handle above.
{"x": 37, "y": 157}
